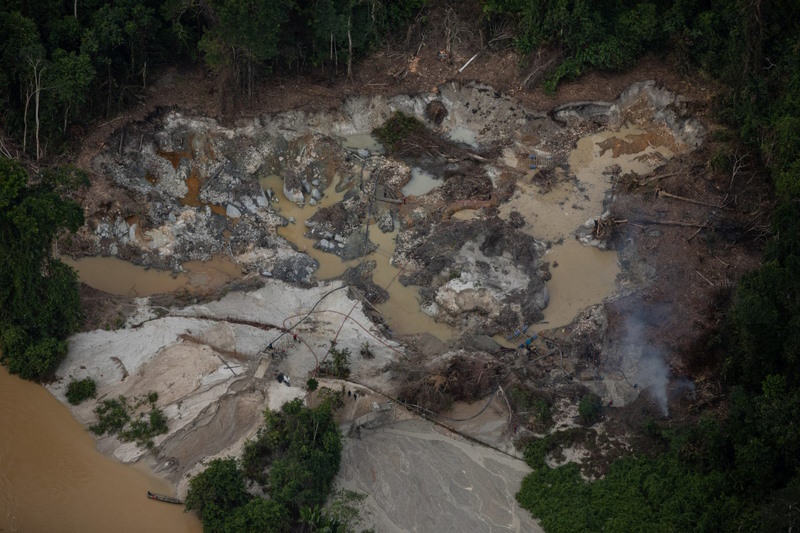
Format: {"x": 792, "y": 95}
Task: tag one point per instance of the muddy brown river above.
{"x": 53, "y": 479}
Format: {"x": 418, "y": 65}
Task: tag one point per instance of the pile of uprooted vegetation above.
{"x": 406, "y": 137}
{"x": 436, "y": 385}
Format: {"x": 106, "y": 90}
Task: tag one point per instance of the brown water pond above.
{"x": 402, "y": 311}
{"x": 115, "y": 276}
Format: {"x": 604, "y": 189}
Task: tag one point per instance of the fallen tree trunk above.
{"x": 665, "y": 194}
{"x": 670, "y": 223}
{"x": 460, "y": 205}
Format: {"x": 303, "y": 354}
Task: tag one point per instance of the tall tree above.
{"x": 35, "y": 63}
{"x": 244, "y": 35}
{"x": 18, "y": 38}
{"x": 70, "y": 77}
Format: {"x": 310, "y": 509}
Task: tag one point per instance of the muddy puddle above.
{"x": 192, "y": 198}
{"x": 115, "y": 276}
{"x": 53, "y": 479}
{"x": 463, "y": 135}
{"x": 421, "y": 183}
{"x": 330, "y": 265}
{"x": 402, "y": 312}
{"x": 363, "y": 141}
{"x": 584, "y": 275}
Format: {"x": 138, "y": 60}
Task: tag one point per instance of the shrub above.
{"x": 398, "y": 128}
{"x": 78, "y": 391}
{"x": 366, "y": 351}
{"x": 590, "y": 408}
{"x": 338, "y": 364}
{"x": 530, "y": 403}
{"x": 142, "y": 431}
{"x": 114, "y": 418}
{"x": 217, "y": 492}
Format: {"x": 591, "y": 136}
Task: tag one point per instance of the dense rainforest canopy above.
{"x": 39, "y": 299}
{"x": 737, "y": 471}
{"x": 67, "y": 61}
{"x": 63, "y": 63}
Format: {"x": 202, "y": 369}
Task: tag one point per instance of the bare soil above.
{"x": 680, "y": 256}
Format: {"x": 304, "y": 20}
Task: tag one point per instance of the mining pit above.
{"x": 442, "y": 255}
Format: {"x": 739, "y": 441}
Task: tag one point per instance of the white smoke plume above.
{"x": 653, "y": 376}
{"x": 651, "y": 370}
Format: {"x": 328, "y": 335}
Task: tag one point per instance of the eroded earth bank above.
{"x": 477, "y": 258}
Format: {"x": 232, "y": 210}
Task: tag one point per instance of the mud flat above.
{"x": 405, "y": 468}
{"x": 203, "y": 362}
{"x": 303, "y": 199}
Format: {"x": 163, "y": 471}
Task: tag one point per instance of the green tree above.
{"x": 17, "y": 34}
{"x": 258, "y": 514}
{"x": 763, "y": 324}
{"x": 244, "y": 35}
{"x": 590, "y": 408}
{"x": 318, "y": 520}
{"x": 591, "y": 33}
{"x": 217, "y": 492}
{"x": 39, "y": 299}
{"x": 296, "y": 455}
{"x": 338, "y": 365}
{"x": 69, "y": 80}
{"x": 78, "y": 391}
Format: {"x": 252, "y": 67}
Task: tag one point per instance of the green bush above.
{"x": 216, "y": 492}
{"x": 337, "y": 364}
{"x": 143, "y": 430}
{"x": 78, "y": 391}
{"x": 528, "y": 402}
{"x": 536, "y": 451}
{"x": 398, "y": 128}
{"x": 366, "y": 351}
{"x": 114, "y": 418}
{"x": 590, "y": 408}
